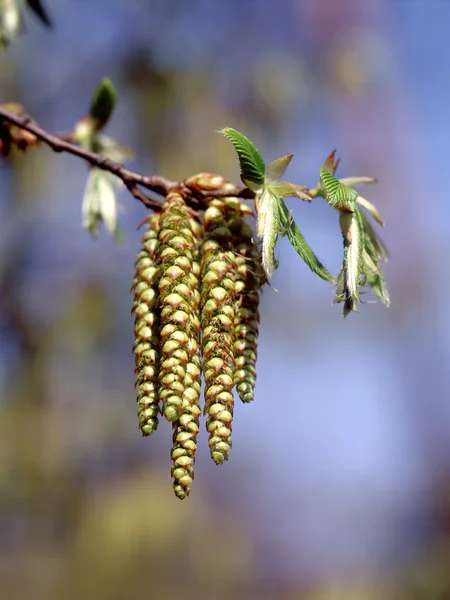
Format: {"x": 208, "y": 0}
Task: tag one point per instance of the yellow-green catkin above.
{"x": 186, "y": 427}
{"x": 246, "y": 324}
{"x": 179, "y": 376}
{"x": 217, "y": 319}
{"x": 146, "y": 328}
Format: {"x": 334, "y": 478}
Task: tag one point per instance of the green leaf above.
{"x": 337, "y": 194}
{"x": 381, "y": 252}
{"x": 11, "y": 22}
{"x": 371, "y": 208}
{"x": 103, "y": 103}
{"x": 352, "y": 181}
{"x": 250, "y": 160}
{"x": 300, "y": 245}
{"x": 352, "y": 230}
{"x": 37, "y": 7}
{"x": 277, "y": 168}
{"x": 99, "y": 202}
{"x": 268, "y": 227}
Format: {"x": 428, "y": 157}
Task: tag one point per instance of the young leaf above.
{"x": 277, "y": 168}
{"x": 37, "y": 7}
{"x": 250, "y": 160}
{"x": 371, "y": 209}
{"x": 99, "y": 202}
{"x": 337, "y": 194}
{"x": 103, "y": 103}
{"x": 268, "y": 227}
{"x": 380, "y": 249}
{"x": 352, "y": 231}
{"x": 352, "y": 181}
{"x": 11, "y": 22}
{"x": 299, "y": 243}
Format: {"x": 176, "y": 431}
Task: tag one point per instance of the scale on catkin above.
{"x": 196, "y": 294}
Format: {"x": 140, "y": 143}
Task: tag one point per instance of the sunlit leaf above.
{"x": 352, "y": 181}
{"x": 352, "y": 231}
{"x": 103, "y": 103}
{"x": 277, "y": 168}
{"x": 250, "y": 160}
{"x": 376, "y": 241}
{"x": 268, "y": 228}
{"x": 99, "y": 202}
{"x": 336, "y": 194}
{"x": 371, "y": 208}
{"x": 299, "y": 243}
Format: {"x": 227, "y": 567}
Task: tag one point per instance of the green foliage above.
{"x": 301, "y": 246}
{"x": 337, "y": 194}
{"x": 250, "y": 160}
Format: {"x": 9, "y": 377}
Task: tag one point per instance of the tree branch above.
{"x": 131, "y": 179}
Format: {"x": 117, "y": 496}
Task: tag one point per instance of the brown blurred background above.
{"x": 338, "y": 485}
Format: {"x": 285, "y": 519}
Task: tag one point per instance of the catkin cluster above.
{"x": 196, "y": 292}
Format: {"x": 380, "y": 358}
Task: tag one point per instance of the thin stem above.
{"x": 131, "y": 179}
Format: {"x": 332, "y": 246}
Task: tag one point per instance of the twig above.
{"x": 131, "y": 179}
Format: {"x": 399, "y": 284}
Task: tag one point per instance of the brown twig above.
{"x": 131, "y": 179}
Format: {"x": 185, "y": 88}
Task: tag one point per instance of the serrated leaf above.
{"x": 11, "y": 22}
{"x": 380, "y": 249}
{"x": 277, "y": 168}
{"x": 300, "y": 245}
{"x": 250, "y": 160}
{"x": 371, "y": 209}
{"x": 103, "y": 103}
{"x": 268, "y": 228}
{"x": 286, "y": 188}
{"x": 336, "y": 194}
{"x": 353, "y": 251}
{"x": 99, "y": 202}
{"x": 37, "y": 7}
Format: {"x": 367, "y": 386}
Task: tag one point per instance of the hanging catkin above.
{"x": 217, "y": 319}
{"x": 146, "y": 328}
{"x": 246, "y": 324}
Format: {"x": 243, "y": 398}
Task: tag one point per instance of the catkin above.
{"x": 178, "y": 290}
{"x": 186, "y": 427}
{"x": 146, "y": 329}
{"x": 217, "y": 320}
{"x": 246, "y": 323}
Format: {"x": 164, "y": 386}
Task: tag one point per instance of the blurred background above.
{"x": 338, "y": 484}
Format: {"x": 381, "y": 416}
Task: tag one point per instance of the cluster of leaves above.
{"x": 363, "y": 248}
{"x": 11, "y": 18}
{"x": 196, "y": 294}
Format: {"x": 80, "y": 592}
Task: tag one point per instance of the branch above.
{"x": 131, "y": 179}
